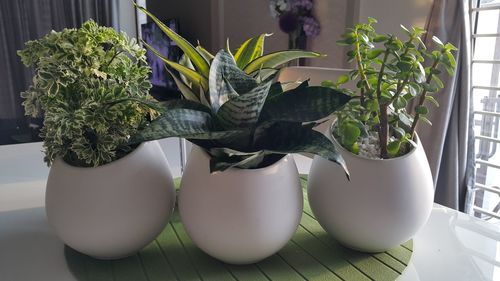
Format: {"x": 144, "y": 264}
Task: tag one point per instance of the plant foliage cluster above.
{"x": 390, "y": 75}
{"x": 234, "y": 110}
{"x": 91, "y": 84}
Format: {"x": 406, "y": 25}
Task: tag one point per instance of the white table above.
{"x": 451, "y": 246}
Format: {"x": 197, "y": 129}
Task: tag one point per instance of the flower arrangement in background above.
{"x": 296, "y": 19}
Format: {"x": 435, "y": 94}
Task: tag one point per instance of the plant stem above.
{"x": 383, "y": 126}
{"x": 422, "y": 98}
{"x": 361, "y": 69}
{"x": 383, "y": 132}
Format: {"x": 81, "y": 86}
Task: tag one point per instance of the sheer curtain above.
{"x": 449, "y": 142}
{"x": 23, "y": 20}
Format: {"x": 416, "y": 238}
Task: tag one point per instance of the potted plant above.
{"x": 391, "y": 192}
{"x": 240, "y": 198}
{"x": 105, "y": 197}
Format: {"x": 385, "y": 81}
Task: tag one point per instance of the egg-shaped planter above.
{"x": 383, "y": 205}
{"x": 114, "y": 210}
{"x": 240, "y": 216}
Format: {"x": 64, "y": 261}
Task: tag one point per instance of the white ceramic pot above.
{"x": 385, "y": 203}
{"x": 240, "y": 216}
{"x": 111, "y": 211}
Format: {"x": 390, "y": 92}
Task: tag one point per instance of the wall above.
{"x": 391, "y": 13}
{"x": 213, "y": 21}
{"x": 194, "y": 17}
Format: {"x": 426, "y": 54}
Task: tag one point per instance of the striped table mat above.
{"x": 311, "y": 255}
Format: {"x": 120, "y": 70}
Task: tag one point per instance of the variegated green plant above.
{"x": 193, "y": 70}
{"x": 91, "y": 85}
{"x": 249, "y": 123}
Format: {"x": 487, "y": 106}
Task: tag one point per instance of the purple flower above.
{"x": 311, "y": 26}
{"x": 289, "y": 22}
{"x": 306, "y": 5}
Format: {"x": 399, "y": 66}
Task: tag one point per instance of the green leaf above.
{"x": 183, "y": 88}
{"x": 193, "y": 54}
{"x": 244, "y": 110}
{"x": 329, "y": 83}
{"x": 276, "y": 59}
{"x": 374, "y": 53}
{"x": 206, "y": 54}
{"x": 393, "y": 148}
{"x": 304, "y": 104}
{"x": 290, "y": 137}
{"x": 425, "y": 120}
{"x": 437, "y": 41}
{"x": 183, "y": 123}
{"x": 420, "y": 109}
{"x": 193, "y": 76}
{"x": 227, "y": 80}
{"x": 250, "y": 50}
{"x": 342, "y": 79}
{"x": 349, "y": 134}
{"x": 432, "y": 100}
{"x": 380, "y": 38}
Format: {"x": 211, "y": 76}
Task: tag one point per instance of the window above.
{"x": 485, "y": 20}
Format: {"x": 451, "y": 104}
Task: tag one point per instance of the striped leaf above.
{"x": 191, "y": 75}
{"x": 250, "y": 50}
{"x": 276, "y": 59}
{"x": 304, "y": 104}
{"x": 244, "y": 110}
{"x": 292, "y": 137}
{"x": 183, "y": 123}
{"x": 226, "y": 79}
{"x": 194, "y": 55}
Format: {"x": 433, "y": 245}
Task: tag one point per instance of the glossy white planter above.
{"x": 114, "y": 210}
{"x": 240, "y": 216}
{"x": 385, "y": 203}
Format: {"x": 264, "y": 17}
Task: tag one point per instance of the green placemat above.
{"x": 311, "y": 255}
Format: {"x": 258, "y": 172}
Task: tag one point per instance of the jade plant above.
{"x": 249, "y": 123}
{"x": 194, "y": 68}
{"x": 91, "y": 86}
{"x": 391, "y": 75}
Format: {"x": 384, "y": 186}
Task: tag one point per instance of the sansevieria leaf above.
{"x": 290, "y": 137}
{"x": 276, "y": 59}
{"x": 250, "y": 50}
{"x": 183, "y": 123}
{"x": 244, "y": 110}
{"x": 191, "y": 75}
{"x": 309, "y": 104}
{"x": 185, "y": 89}
{"x": 194, "y": 55}
{"x": 208, "y": 56}
{"x": 223, "y": 71}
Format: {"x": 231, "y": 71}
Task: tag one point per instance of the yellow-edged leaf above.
{"x": 273, "y": 60}
{"x": 191, "y": 75}
{"x": 208, "y": 56}
{"x": 250, "y": 50}
{"x": 196, "y": 57}
{"x": 185, "y": 90}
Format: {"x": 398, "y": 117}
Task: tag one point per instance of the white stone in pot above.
{"x": 114, "y": 210}
{"x": 240, "y": 216}
{"x": 386, "y": 202}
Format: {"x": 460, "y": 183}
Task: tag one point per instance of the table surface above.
{"x": 451, "y": 246}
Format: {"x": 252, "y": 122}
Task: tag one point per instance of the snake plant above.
{"x": 194, "y": 68}
{"x": 249, "y": 123}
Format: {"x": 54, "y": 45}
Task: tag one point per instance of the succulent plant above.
{"x": 390, "y": 74}
{"x": 249, "y": 123}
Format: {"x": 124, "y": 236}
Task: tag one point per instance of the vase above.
{"x": 114, "y": 210}
{"x": 240, "y": 216}
{"x": 383, "y": 205}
